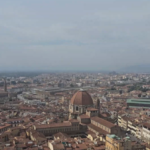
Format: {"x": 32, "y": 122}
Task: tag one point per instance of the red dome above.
{"x": 81, "y": 98}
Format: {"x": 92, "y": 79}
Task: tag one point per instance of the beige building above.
{"x": 104, "y": 126}
{"x": 123, "y": 122}
{"x": 146, "y": 133}
{"x": 113, "y": 142}
{"x": 71, "y": 126}
{"x": 132, "y": 127}
{"x": 128, "y": 125}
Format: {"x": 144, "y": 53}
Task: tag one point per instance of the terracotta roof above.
{"x": 58, "y": 146}
{"x": 125, "y": 118}
{"x": 147, "y": 125}
{"x": 81, "y": 98}
{"x": 5, "y": 126}
{"x": 73, "y": 120}
{"x": 103, "y": 122}
{"x": 97, "y": 129}
{"x": 92, "y": 109}
{"x": 82, "y": 146}
{"x": 105, "y": 114}
{"x": 53, "y": 125}
{"x": 84, "y": 116}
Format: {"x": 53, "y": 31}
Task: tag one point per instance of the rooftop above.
{"x": 103, "y": 122}
{"x": 53, "y": 125}
{"x": 113, "y": 136}
{"x": 138, "y": 101}
{"x": 82, "y": 98}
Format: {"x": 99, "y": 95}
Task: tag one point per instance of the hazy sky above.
{"x": 74, "y": 34}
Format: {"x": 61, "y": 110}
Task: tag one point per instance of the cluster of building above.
{"x": 75, "y": 111}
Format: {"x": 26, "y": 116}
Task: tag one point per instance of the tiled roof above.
{"x": 92, "y": 109}
{"x": 81, "y": 98}
{"x": 53, "y": 125}
{"x": 84, "y": 116}
{"x": 4, "y": 126}
{"x": 97, "y": 129}
{"x": 103, "y": 122}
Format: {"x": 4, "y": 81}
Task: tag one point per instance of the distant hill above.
{"x": 142, "y": 68}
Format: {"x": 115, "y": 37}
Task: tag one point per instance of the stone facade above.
{"x": 75, "y": 110}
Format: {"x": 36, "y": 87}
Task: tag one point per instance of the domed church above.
{"x": 83, "y": 117}
{"x": 79, "y": 103}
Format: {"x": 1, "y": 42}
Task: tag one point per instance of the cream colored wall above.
{"x": 81, "y": 109}
{"x": 146, "y": 135}
{"x": 50, "y": 146}
{"x": 112, "y": 144}
{"x": 90, "y": 137}
{"x": 147, "y": 148}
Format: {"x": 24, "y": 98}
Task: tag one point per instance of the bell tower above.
{"x": 98, "y": 106}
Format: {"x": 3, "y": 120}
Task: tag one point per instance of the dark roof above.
{"x": 4, "y": 94}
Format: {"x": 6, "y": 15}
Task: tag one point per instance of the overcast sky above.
{"x": 74, "y": 34}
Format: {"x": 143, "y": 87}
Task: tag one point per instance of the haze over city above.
{"x": 74, "y": 35}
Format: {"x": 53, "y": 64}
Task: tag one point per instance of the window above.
{"x": 77, "y": 109}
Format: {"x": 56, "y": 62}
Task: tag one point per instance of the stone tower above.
{"x": 98, "y": 106}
